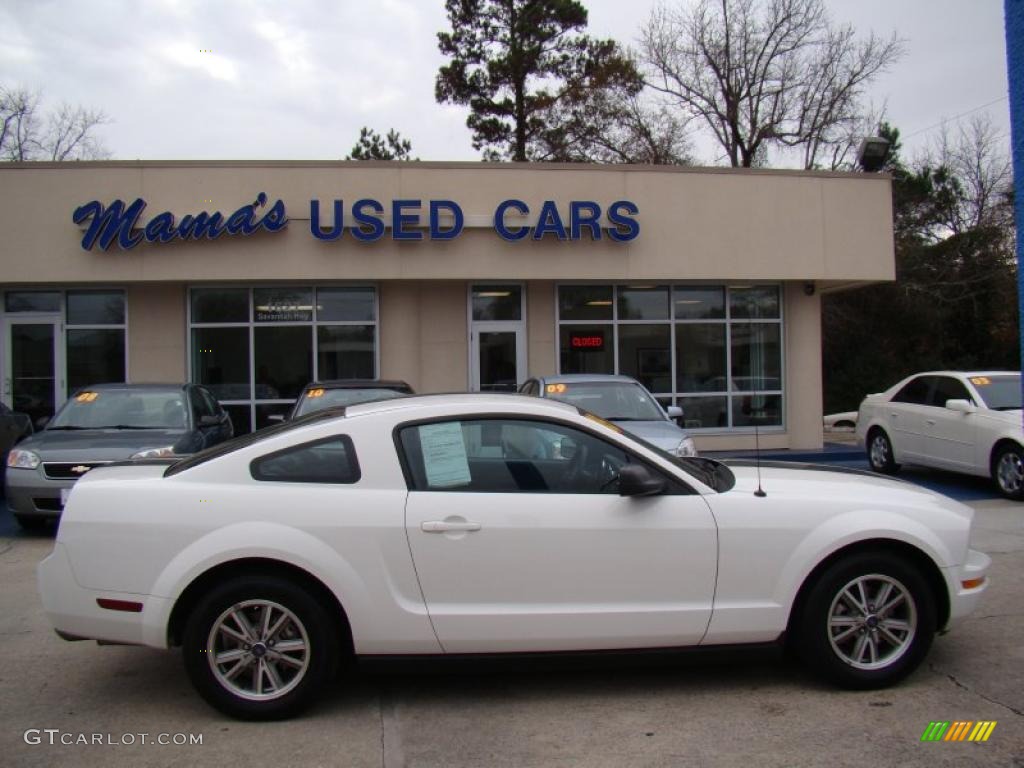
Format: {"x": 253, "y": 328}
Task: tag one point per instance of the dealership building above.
{"x": 255, "y": 278}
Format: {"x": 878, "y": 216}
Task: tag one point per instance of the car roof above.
{"x": 579, "y": 378}
{"x": 472, "y": 401}
{"x": 144, "y": 386}
{"x": 359, "y": 384}
{"x": 965, "y": 374}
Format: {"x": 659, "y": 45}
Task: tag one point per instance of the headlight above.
{"x": 686, "y": 447}
{"x": 155, "y": 453}
{"x": 22, "y": 459}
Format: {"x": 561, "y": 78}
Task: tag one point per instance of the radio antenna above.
{"x": 757, "y": 449}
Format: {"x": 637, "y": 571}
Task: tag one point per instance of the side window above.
{"x": 509, "y": 456}
{"x": 331, "y": 460}
{"x": 947, "y": 388}
{"x": 914, "y": 391}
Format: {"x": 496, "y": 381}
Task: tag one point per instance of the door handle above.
{"x": 443, "y": 526}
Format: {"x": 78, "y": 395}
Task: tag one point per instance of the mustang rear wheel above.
{"x": 867, "y": 622}
{"x": 259, "y": 648}
{"x": 1008, "y": 472}
{"x": 880, "y": 454}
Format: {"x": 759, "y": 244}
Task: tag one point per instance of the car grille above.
{"x": 71, "y": 470}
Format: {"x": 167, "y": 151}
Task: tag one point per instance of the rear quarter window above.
{"x": 330, "y": 460}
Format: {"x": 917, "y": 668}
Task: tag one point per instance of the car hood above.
{"x": 98, "y": 444}
{"x": 1007, "y": 417}
{"x": 823, "y": 481}
{"x": 664, "y": 434}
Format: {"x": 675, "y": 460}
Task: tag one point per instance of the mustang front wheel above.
{"x": 868, "y": 621}
{"x": 259, "y": 648}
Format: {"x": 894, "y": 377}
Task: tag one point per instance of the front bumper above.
{"x": 31, "y": 494}
{"x": 964, "y": 600}
{"x": 74, "y": 612}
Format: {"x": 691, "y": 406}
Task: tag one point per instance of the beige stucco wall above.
{"x": 540, "y": 328}
{"x": 156, "y": 333}
{"x": 424, "y": 334}
{"x": 711, "y": 224}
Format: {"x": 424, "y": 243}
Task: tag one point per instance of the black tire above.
{"x": 880, "y": 455}
{"x": 305, "y": 623}
{"x": 1008, "y": 471}
{"x": 850, "y": 648}
{"x": 33, "y": 524}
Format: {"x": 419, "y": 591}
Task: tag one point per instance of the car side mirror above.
{"x": 674, "y": 412}
{"x": 638, "y": 480}
{"x": 961, "y": 406}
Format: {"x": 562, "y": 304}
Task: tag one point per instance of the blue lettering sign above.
{"x": 375, "y": 223}
{"x": 115, "y": 222}
{"x": 436, "y": 233}
{"x": 400, "y": 219}
{"x": 499, "y": 220}
{"x": 314, "y": 221}
{"x": 549, "y": 222}
{"x": 625, "y": 228}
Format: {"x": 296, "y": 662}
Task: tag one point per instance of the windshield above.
{"x": 123, "y": 409}
{"x": 612, "y": 400}
{"x": 1000, "y": 393}
{"x": 320, "y": 398}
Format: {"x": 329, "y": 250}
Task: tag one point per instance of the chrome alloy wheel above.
{"x": 879, "y": 451}
{"x": 872, "y": 621}
{"x": 258, "y": 650}
{"x": 1010, "y": 472}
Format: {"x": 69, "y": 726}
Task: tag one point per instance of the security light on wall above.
{"x": 872, "y": 154}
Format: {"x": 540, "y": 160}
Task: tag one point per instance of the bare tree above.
{"x": 764, "y": 74}
{"x": 68, "y": 133}
{"x": 613, "y": 125}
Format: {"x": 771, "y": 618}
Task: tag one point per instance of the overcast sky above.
{"x": 295, "y": 79}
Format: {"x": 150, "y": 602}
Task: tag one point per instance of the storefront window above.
{"x": 95, "y": 308}
{"x": 714, "y": 350}
{"x": 94, "y": 336}
{"x": 220, "y": 305}
{"x": 256, "y": 348}
{"x": 643, "y": 302}
{"x": 32, "y": 301}
{"x": 585, "y": 302}
{"x": 94, "y": 356}
{"x": 497, "y": 302}
{"x": 644, "y": 354}
{"x": 346, "y": 351}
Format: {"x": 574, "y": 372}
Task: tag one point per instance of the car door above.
{"x": 522, "y": 543}
{"x": 905, "y": 415}
{"x": 949, "y": 436}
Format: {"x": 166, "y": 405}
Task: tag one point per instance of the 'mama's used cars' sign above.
{"x": 409, "y": 220}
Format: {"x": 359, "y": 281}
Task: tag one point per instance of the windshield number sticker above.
{"x": 981, "y": 381}
{"x": 315, "y": 393}
{"x": 86, "y": 397}
{"x": 555, "y": 389}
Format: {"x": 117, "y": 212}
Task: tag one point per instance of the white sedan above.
{"x": 965, "y": 422}
{"x": 428, "y": 525}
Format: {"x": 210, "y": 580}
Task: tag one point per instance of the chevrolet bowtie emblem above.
{"x": 81, "y": 469}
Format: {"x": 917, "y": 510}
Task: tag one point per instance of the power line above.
{"x": 956, "y": 117}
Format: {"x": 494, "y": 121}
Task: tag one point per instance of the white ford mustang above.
{"x": 465, "y": 524}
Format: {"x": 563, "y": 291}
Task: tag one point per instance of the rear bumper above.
{"x": 964, "y": 600}
{"x": 74, "y": 612}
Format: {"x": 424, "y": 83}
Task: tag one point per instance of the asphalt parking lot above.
{"x": 749, "y": 709}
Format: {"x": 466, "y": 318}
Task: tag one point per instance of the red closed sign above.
{"x": 586, "y": 340}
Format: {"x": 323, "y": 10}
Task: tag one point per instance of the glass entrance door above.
{"x": 497, "y": 364}
{"x": 497, "y": 337}
{"x": 33, "y": 380}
